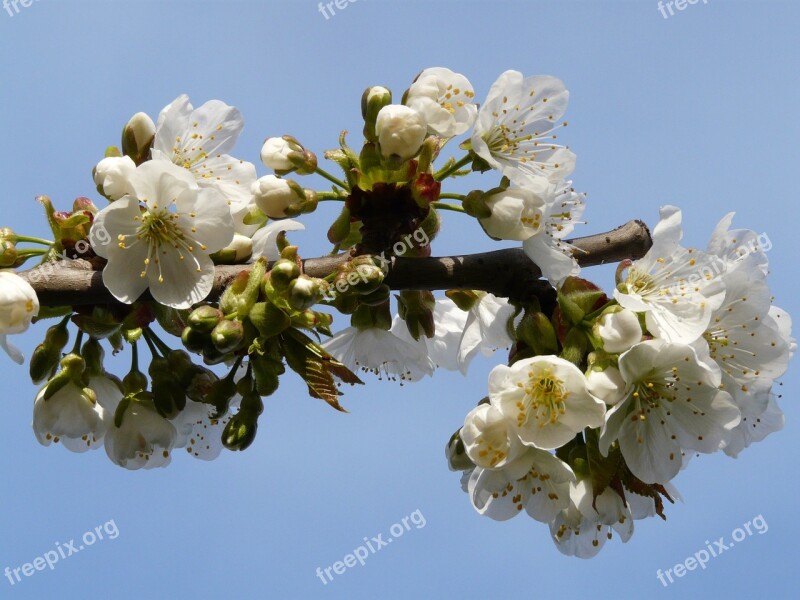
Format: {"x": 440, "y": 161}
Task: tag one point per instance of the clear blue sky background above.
{"x": 699, "y": 110}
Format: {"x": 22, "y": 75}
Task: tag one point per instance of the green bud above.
{"x": 340, "y": 228}
{"x": 456, "y": 453}
{"x": 366, "y": 317}
{"x": 380, "y": 295}
{"x": 416, "y": 308}
{"x": 536, "y": 330}
{"x": 269, "y": 319}
{"x": 204, "y": 318}
{"x": 93, "y": 353}
{"x": 227, "y": 335}
{"x": 303, "y": 293}
{"x": 134, "y": 382}
{"x": 137, "y": 137}
{"x": 220, "y": 394}
{"x": 237, "y": 252}
{"x": 252, "y": 403}
{"x": 240, "y": 431}
{"x": 169, "y": 396}
{"x": 47, "y": 355}
{"x": 72, "y": 368}
{"x": 193, "y": 340}
{"x": 283, "y": 273}
{"x": 228, "y": 303}
{"x": 372, "y": 101}
{"x": 464, "y": 299}
{"x": 9, "y": 258}
{"x": 475, "y": 205}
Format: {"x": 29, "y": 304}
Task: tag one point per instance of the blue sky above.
{"x": 698, "y": 109}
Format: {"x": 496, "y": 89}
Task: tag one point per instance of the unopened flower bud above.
{"x": 285, "y": 154}
{"x": 269, "y": 319}
{"x": 303, "y": 293}
{"x": 456, "y": 453}
{"x": 372, "y": 101}
{"x": 277, "y": 198}
{"x": 137, "y": 137}
{"x": 9, "y": 257}
{"x": 238, "y": 251}
{"x": 416, "y": 308}
{"x": 47, "y": 355}
{"x": 606, "y": 384}
{"x": 619, "y": 329}
{"x": 205, "y": 318}
{"x": 536, "y": 330}
{"x": 227, "y": 335}
{"x": 401, "y": 131}
{"x": 134, "y": 382}
{"x": 194, "y": 340}
{"x": 240, "y": 431}
{"x": 111, "y": 176}
{"x": 283, "y": 273}
{"x": 169, "y": 396}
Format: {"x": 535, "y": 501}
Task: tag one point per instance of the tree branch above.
{"x": 508, "y": 273}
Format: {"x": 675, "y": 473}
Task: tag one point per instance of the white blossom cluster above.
{"x": 604, "y": 398}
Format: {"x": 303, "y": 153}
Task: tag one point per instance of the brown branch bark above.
{"x": 507, "y": 273}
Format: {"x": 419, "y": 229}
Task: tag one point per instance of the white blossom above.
{"x": 111, "y": 176}
{"x": 445, "y": 100}
{"x": 549, "y": 249}
{"x": 18, "y": 306}
{"x": 547, "y": 398}
{"x": 380, "y": 352}
{"x": 673, "y": 402}
{"x": 672, "y": 285}
{"x": 514, "y": 129}
{"x": 160, "y": 235}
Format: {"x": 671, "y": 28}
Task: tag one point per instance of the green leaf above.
{"x": 317, "y": 368}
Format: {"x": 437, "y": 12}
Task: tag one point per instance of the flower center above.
{"x": 545, "y": 399}
{"x": 160, "y": 231}
{"x": 493, "y": 444}
{"x": 639, "y": 282}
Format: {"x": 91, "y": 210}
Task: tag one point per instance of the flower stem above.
{"x": 33, "y": 240}
{"x": 32, "y": 251}
{"x": 459, "y": 197}
{"x": 445, "y": 206}
{"x": 447, "y": 171}
{"x": 76, "y": 349}
{"x": 165, "y": 350}
{"x": 153, "y": 350}
{"x": 331, "y": 178}
{"x": 328, "y": 196}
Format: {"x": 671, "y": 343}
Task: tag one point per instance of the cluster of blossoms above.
{"x": 607, "y": 399}
{"x": 602, "y": 402}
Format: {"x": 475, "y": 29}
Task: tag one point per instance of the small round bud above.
{"x": 303, "y": 293}
{"x": 240, "y": 431}
{"x": 227, "y": 335}
{"x": 204, "y": 318}
{"x": 137, "y": 137}
{"x": 111, "y": 176}
{"x": 401, "y": 131}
